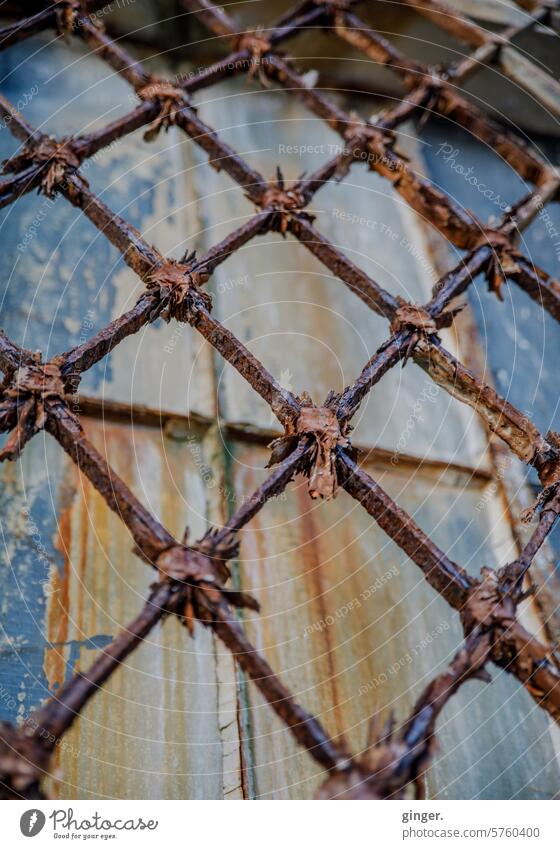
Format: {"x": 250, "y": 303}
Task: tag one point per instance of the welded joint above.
{"x": 25, "y": 395}
{"x": 170, "y": 99}
{"x": 54, "y": 159}
{"x": 256, "y": 44}
{"x": 197, "y": 574}
{"x": 490, "y": 609}
{"x": 421, "y": 324}
{"x": 323, "y": 432}
{"x": 176, "y": 285}
{"x": 284, "y": 202}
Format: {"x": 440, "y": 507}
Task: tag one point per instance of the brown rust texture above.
{"x": 192, "y": 578}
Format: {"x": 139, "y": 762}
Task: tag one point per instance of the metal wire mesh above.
{"x": 192, "y": 578}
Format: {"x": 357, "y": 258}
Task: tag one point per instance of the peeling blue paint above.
{"x": 28, "y": 554}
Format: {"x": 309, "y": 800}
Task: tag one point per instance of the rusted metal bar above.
{"x": 544, "y": 88}
{"x": 56, "y": 717}
{"x": 491, "y": 608}
{"x": 513, "y": 574}
{"x": 503, "y": 419}
{"x": 458, "y": 225}
{"x": 256, "y": 226}
{"x": 351, "y": 29}
{"x": 11, "y": 355}
{"x": 150, "y": 536}
{"x": 91, "y": 143}
{"x": 281, "y": 401}
{"x": 374, "y": 295}
{"x": 84, "y": 356}
{"x": 146, "y": 310}
{"x": 483, "y": 605}
{"x": 392, "y": 761}
{"x": 449, "y": 20}
{"x": 445, "y": 576}
{"x": 384, "y": 359}
{"x": 19, "y": 184}
{"x": 136, "y": 252}
{"x": 25, "y": 27}
{"x": 445, "y": 99}
{"x": 538, "y": 285}
{"x": 533, "y": 280}
{"x": 273, "y": 486}
{"x": 121, "y": 62}
{"x": 457, "y": 281}
{"x": 528, "y": 164}
{"x": 221, "y": 155}
{"x": 304, "y": 727}
{"x": 17, "y": 124}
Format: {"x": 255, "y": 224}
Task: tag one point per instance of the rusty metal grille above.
{"x": 192, "y": 578}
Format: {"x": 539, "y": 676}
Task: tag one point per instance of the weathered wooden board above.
{"x": 353, "y": 628}
{"x": 159, "y": 727}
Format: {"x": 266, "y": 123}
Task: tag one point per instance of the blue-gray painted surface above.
{"x": 521, "y": 341}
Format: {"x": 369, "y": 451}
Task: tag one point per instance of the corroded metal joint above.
{"x": 417, "y": 321}
{"x": 365, "y": 143}
{"x": 44, "y": 380}
{"x": 55, "y": 160}
{"x": 358, "y": 782}
{"x": 547, "y": 464}
{"x": 321, "y": 425}
{"x": 197, "y": 578}
{"x": 488, "y": 607}
{"x": 256, "y": 44}
{"x": 170, "y": 99}
{"x": 66, "y": 13}
{"x": 285, "y": 203}
{"x": 377, "y": 773}
{"x": 413, "y": 318}
{"x": 177, "y": 289}
{"x": 324, "y": 432}
{"x": 24, "y": 761}
{"x": 490, "y": 610}
{"x": 24, "y": 398}
{"x": 503, "y": 261}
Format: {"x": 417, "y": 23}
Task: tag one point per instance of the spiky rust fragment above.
{"x": 392, "y": 762}
{"x": 418, "y": 323}
{"x": 170, "y": 99}
{"x": 257, "y": 46}
{"x": 323, "y": 432}
{"x": 198, "y": 580}
{"x": 24, "y": 400}
{"x": 491, "y": 609}
{"x": 177, "y": 288}
{"x": 54, "y": 159}
{"x": 284, "y": 202}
